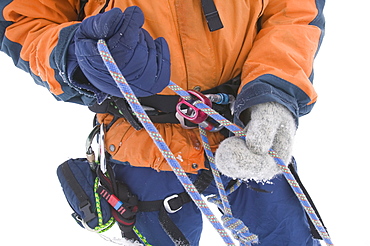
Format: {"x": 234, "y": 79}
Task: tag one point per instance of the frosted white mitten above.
{"x": 271, "y": 125}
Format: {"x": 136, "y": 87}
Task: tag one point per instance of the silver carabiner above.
{"x": 90, "y": 154}
{"x": 101, "y": 157}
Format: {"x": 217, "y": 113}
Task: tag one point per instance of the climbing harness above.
{"x": 174, "y": 203}
{"x": 97, "y": 198}
{"x": 168, "y": 155}
{"x": 162, "y": 108}
{"x": 239, "y": 230}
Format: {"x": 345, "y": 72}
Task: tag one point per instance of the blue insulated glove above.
{"x": 144, "y": 62}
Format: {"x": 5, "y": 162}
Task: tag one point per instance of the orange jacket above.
{"x": 271, "y": 43}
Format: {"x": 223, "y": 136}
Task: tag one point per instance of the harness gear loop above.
{"x": 185, "y": 181}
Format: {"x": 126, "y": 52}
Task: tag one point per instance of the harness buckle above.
{"x": 167, "y": 206}
{"x": 86, "y": 209}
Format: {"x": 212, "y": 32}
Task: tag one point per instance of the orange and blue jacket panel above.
{"x": 271, "y": 43}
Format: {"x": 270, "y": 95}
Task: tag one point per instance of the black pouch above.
{"x": 77, "y": 180}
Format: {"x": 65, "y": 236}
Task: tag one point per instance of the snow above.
{"x": 331, "y": 146}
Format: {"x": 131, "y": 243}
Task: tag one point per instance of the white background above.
{"x": 39, "y": 133}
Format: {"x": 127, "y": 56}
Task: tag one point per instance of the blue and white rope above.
{"x": 286, "y": 171}
{"x": 158, "y": 140}
{"x": 239, "y": 230}
{"x": 186, "y": 182}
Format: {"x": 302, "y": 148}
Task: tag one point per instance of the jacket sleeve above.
{"x": 36, "y": 34}
{"x": 279, "y": 67}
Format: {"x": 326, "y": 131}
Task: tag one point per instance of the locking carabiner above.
{"x": 99, "y": 131}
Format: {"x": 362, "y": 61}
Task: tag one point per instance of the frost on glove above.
{"x": 144, "y": 62}
{"x": 271, "y": 126}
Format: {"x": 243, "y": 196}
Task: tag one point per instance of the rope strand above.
{"x": 239, "y": 230}
{"x": 158, "y": 140}
{"x": 287, "y": 173}
{"x": 181, "y": 175}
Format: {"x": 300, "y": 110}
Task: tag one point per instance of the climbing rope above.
{"x": 239, "y": 230}
{"x": 286, "y": 171}
{"x": 158, "y": 140}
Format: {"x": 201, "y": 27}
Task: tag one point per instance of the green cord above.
{"x": 105, "y": 227}
{"x": 101, "y": 227}
{"x": 142, "y": 238}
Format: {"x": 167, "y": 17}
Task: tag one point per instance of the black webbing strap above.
{"x": 201, "y": 183}
{"x": 164, "y": 107}
{"x": 209, "y": 9}
{"x": 313, "y": 229}
{"x": 123, "y": 203}
{"x": 123, "y": 213}
{"x": 119, "y": 108}
{"x": 174, "y": 203}
{"x": 213, "y": 18}
{"x": 171, "y": 229}
{"x": 127, "y": 113}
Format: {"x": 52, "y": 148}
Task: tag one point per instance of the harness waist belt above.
{"x": 162, "y": 108}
